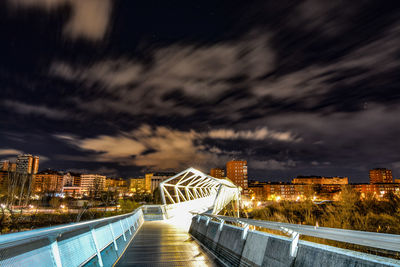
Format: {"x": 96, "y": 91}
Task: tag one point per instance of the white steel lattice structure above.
{"x": 195, "y": 191}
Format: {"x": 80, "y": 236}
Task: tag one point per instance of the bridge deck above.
{"x": 161, "y": 244}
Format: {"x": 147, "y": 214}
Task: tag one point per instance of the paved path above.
{"x": 161, "y": 244}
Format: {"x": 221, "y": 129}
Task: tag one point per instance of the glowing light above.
{"x": 3, "y": 206}
{"x": 258, "y": 203}
{"x": 314, "y": 198}
{"x": 298, "y": 198}
{"x": 278, "y": 198}
{"x": 62, "y": 206}
{"x": 31, "y": 206}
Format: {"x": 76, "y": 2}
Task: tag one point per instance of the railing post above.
{"x": 221, "y": 225}
{"x": 295, "y": 240}
{"x": 293, "y": 246}
{"x": 129, "y": 228}
{"x": 55, "y": 252}
{"x": 133, "y": 223}
{"x": 245, "y": 231}
{"x": 113, "y": 236}
{"x": 123, "y": 231}
{"x": 96, "y": 245}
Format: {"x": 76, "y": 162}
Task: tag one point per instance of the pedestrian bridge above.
{"x": 158, "y": 235}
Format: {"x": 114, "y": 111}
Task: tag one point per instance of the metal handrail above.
{"x": 52, "y": 232}
{"x": 370, "y": 239}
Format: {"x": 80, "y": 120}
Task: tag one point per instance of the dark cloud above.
{"x": 294, "y": 87}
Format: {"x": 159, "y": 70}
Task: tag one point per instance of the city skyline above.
{"x": 295, "y": 88}
{"x": 216, "y": 171}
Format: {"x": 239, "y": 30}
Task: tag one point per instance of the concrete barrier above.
{"x": 311, "y": 254}
{"x": 212, "y": 235}
{"x": 230, "y": 245}
{"x": 234, "y": 246}
{"x": 254, "y": 249}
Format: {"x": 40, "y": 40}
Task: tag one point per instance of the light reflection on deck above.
{"x": 159, "y": 243}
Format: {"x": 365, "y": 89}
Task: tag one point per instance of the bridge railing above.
{"x": 370, "y": 239}
{"x": 97, "y": 243}
{"x": 233, "y": 242}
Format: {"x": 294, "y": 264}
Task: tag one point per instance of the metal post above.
{"x": 55, "y": 251}
{"x": 93, "y": 232}
{"x": 129, "y": 228}
{"x": 113, "y": 237}
{"x": 293, "y": 245}
{"x": 221, "y": 225}
{"x": 133, "y": 223}
{"x": 123, "y": 231}
{"x": 245, "y": 231}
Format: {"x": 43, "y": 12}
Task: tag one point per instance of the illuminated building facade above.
{"x": 137, "y": 185}
{"x": 27, "y": 164}
{"x": 320, "y": 180}
{"x": 117, "y": 185}
{"x": 48, "y": 181}
{"x": 380, "y": 175}
{"x": 3, "y": 181}
{"x": 217, "y": 172}
{"x": 377, "y": 190}
{"x": 92, "y": 182}
{"x": 236, "y": 171}
{"x": 158, "y": 177}
{"x": 147, "y": 182}
{"x": 4, "y": 165}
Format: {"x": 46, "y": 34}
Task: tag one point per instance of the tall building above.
{"x": 217, "y": 172}
{"x": 380, "y": 175}
{"x": 3, "y": 181}
{"x": 92, "y": 182}
{"x": 320, "y": 180}
{"x": 147, "y": 182}
{"x": 72, "y": 184}
{"x": 158, "y": 177}
{"x": 48, "y": 181}
{"x": 4, "y": 165}
{"x": 68, "y": 179}
{"x": 137, "y": 185}
{"x": 236, "y": 171}
{"x": 27, "y": 164}
{"x": 117, "y": 185}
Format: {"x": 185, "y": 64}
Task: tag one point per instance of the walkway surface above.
{"x": 161, "y": 244}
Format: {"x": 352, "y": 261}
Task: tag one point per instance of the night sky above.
{"x": 123, "y": 87}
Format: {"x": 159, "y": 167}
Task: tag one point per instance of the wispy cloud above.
{"x": 23, "y": 108}
{"x": 165, "y": 148}
{"x": 10, "y": 152}
{"x": 258, "y": 134}
{"x": 272, "y": 164}
{"x": 176, "y": 73}
{"x": 89, "y": 19}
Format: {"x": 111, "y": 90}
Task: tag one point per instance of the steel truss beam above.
{"x": 193, "y": 185}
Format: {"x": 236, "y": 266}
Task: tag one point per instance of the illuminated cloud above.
{"x": 177, "y": 72}
{"x": 258, "y": 134}
{"x": 10, "y": 152}
{"x": 88, "y": 18}
{"x": 27, "y": 109}
{"x": 165, "y": 148}
{"x": 272, "y": 164}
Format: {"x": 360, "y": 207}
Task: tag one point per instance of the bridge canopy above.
{"x": 198, "y": 192}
